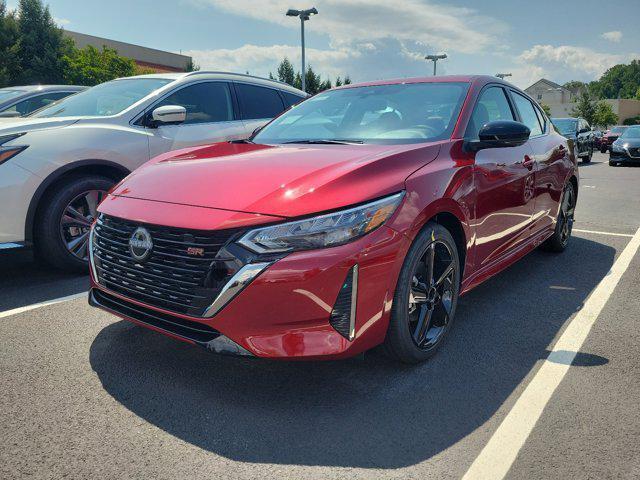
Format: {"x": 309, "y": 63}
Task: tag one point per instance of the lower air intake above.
{"x": 343, "y": 315}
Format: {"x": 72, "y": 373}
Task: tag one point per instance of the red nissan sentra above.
{"x": 354, "y": 219}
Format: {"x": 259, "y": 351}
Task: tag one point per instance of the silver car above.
{"x": 22, "y": 101}
{"x": 58, "y": 164}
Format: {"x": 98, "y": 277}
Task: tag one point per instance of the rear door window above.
{"x": 527, "y": 113}
{"x": 290, "y": 98}
{"x": 258, "y": 102}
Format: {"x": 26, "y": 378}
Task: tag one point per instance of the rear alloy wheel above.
{"x": 426, "y": 296}
{"x": 587, "y": 158}
{"x": 560, "y": 239}
{"x": 63, "y": 223}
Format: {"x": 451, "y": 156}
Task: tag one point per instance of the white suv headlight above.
{"x": 322, "y": 231}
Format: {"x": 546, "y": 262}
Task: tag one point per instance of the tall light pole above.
{"x": 502, "y": 76}
{"x": 304, "y": 15}
{"x": 434, "y": 59}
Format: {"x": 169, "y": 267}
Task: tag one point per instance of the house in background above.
{"x": 156, "y": 60}
{"x": 562, "y": 100}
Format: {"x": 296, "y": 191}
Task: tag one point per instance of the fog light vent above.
{"x": 343, "y": 315}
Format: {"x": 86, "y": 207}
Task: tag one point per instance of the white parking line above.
{"x": 498, "y": 455}
{"x": 596, "y": 232}
{"x": 15, "y": 311}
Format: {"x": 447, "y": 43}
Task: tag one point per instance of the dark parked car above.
{"x": 578, "y": 130}
{"x": 353, "y": 219}
{"x": 596, "y": 139}
{"x": 21, "y": 101}
{"x": 626, "y": 149}
{"x": 611, "y": 136}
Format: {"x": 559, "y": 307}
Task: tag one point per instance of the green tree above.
{"x": 41, "y": 45}
{"x": 585, "y": 107}
{"x": 604, "y": 115}
{"x": 338, "y": 82}
{"x": 545, "y": 108}
{"x": 90, "y": 66}
{"x": 620, "y": 81}
{"x": 192, "y": 66}
{"x": 347, "y": 80}
{"x": 286, "y": 72}
{"x": 8, "y": 50}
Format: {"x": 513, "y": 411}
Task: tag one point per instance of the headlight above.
{"x": 322, "y": 231}
{"x": 616, "y": 147}
{"x": 8, "y": 152}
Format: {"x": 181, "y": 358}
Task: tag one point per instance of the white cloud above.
{"x": 614, "y": 36}
{"x": 348, "y": 22}
{"x": 568, "y": 62}
{"x": 62, "y": 22}
{"x": 368, "y": 61}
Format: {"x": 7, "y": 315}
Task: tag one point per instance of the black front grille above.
{"x": 169, "y": 278}
{"x": 194, "y": 331}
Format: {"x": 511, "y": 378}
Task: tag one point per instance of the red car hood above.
{"x": 286, "y": 181}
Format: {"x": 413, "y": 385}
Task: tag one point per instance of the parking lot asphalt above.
{"x": 87, "y": 395}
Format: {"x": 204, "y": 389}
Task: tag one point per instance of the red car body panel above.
{"x": 503, "y": 201}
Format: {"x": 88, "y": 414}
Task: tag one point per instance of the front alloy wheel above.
{"x": 76, "y": 222}
{"x": 426, "y": 296}
{"x": 65, "y": 215}
{"x": 430, "y": 297}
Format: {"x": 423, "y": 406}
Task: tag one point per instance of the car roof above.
{"x": 45, "y": 88}
{"x": 230, "y": 76}
{"x": 436, "y": 79}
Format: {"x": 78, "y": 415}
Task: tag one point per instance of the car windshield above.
{"x": 566, "y": 125}
{"x": 631, "y": 133}
{"x": 384, "y": 114}
{"x": 9, "y": 94}
{"x": 103, "y": 100}
{"x": 618, "y": 129}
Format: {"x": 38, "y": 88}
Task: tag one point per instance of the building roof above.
{"x": 138, "y": 53}
{"x": 548, "y": 82}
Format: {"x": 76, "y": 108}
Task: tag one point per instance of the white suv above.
{"x": 57, "y": 165}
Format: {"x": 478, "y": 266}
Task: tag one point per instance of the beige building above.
{"x": 562, "y": 101}
{"x": 157, "y": 60}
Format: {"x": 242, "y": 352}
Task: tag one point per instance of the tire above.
{"x": 51, "y": 237}
{"x": 603, "y": 149}
{"x": 587, "y": 158}
{"x": 613, "y": 164}
{"x": 558, "y": 242}
{"x": 440, "y": 299}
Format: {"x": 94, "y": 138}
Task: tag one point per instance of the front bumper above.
{"x": 284, "y": 312}
{"x": 624, "y": 158}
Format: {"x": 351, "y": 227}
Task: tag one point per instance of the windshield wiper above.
{"x": 244, "y": 140}
{"x": 334, "y": 141}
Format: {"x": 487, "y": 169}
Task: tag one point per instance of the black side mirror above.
{"x": 500, "y": 134}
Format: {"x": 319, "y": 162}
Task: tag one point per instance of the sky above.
{"x": 375, "y": 39}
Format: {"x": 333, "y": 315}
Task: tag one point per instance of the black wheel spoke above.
{"x": 447, "y": 272}
{"x": 430, "y": 262}
{"x": 424, "y": 321}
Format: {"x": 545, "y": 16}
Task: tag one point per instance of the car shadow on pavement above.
{"x": 23, "y": 281}
{"x": 368, "y": 412}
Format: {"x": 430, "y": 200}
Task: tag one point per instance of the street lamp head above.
{"x": 303, "y": 14}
